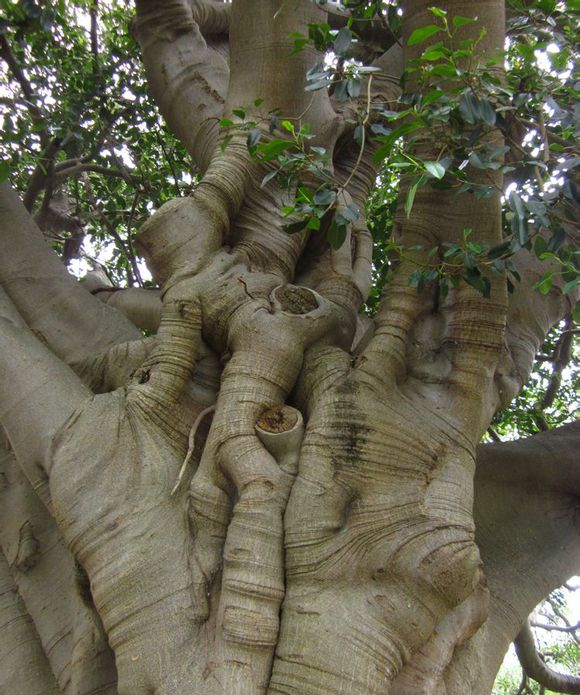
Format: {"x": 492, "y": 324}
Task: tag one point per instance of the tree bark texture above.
{"x": 247, "y": 503}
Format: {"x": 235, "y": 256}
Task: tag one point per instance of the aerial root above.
{"x": 191, "y": 445}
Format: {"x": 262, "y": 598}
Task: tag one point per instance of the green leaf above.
{"x": 468, "y": 107}
{"x": 350, "y": 213}
{"x": 343, "y": 40}
{"x": 240, "y": 113}
{"x": 544, "y": 284}
{"x": 433, "y": 54}
{"x": 324, "y": 197}
{"x": 571, "y": 286}
{"x": 540, "y": 247}
{"x": 269, "y": 150}
{"x": 336, "y": 234}
{"x": 389, "y": 140}
{"x": 486, "y": 112}
{"x": 459, "y": 21}
{"x": 432, "y": 97}
{"x": 478, "y": 281}
{"x": 576, "y": 312}
{"x": 445, "y": 70}
{"x": 436, "y": 169}
{"x": 4, "y": 171}
{"x": 422, "y": 34}
{"x": 411, "y": 195}
{"x": 519, "y": 221}
{"x": 353, "y": 87}
{"x": 557, "y": 239}
{"x": 225, "y": 142}
{"x": 295, "y": 227}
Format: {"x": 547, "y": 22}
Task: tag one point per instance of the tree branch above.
{"x": 141, "y": 306}
{"x": 213, "y": 18}
{"x": 186, "y": 77}
{"x": 55, "y": 306}
{"x": 38, "y": 392}
{"x": 42, "y": 173}
{"x": 555, "y": 628}
{"x": 526, "y": 517}
{"x": 530, "y": 317}
{"x": 535, "y": 668}
{"x": 547, "y": 461}
{"x": 74, "y": 167}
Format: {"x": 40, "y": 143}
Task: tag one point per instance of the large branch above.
{"x": 535, "y": 668}
{"x": 530, "y": 316}
{"x": 51, "y": 302}
{"x": 141, "y": 306}
{"x": 213, "y": 18}
{"x": 38, "y": 392}
{"x": 526, "y": 499}
{"x": 546, "y": 462}
{"x": 187, "y": 78}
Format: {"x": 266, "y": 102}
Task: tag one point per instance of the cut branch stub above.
{"x": 281, "y": 429}
{"x": 295, "y": 300}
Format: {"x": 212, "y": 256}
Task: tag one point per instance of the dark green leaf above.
{"x": 295, "y": 227}
{"x": 343, "y": 40}
{"x": 324, "y": 197}
{"x": 557, "y": 239}
{"x": 336, "y": 234}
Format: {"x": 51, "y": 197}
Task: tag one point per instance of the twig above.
{"x": 363, "y": 136}
{"x": 556, "y": 628}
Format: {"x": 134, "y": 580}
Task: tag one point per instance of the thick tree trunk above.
{"x": 318, "y": 537}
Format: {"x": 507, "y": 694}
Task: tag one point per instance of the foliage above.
{"x": 77, "y": 115}
{"x": 457, "y": 108}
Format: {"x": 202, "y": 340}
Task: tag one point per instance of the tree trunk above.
{"x": 250, "y": 502}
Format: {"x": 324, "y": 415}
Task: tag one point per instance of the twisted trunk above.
{"x": 318, "y": 536}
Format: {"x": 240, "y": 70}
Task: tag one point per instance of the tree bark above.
{"x": 319, "y": 536}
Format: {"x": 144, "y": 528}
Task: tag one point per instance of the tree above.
{"x": 336, "y": 528}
